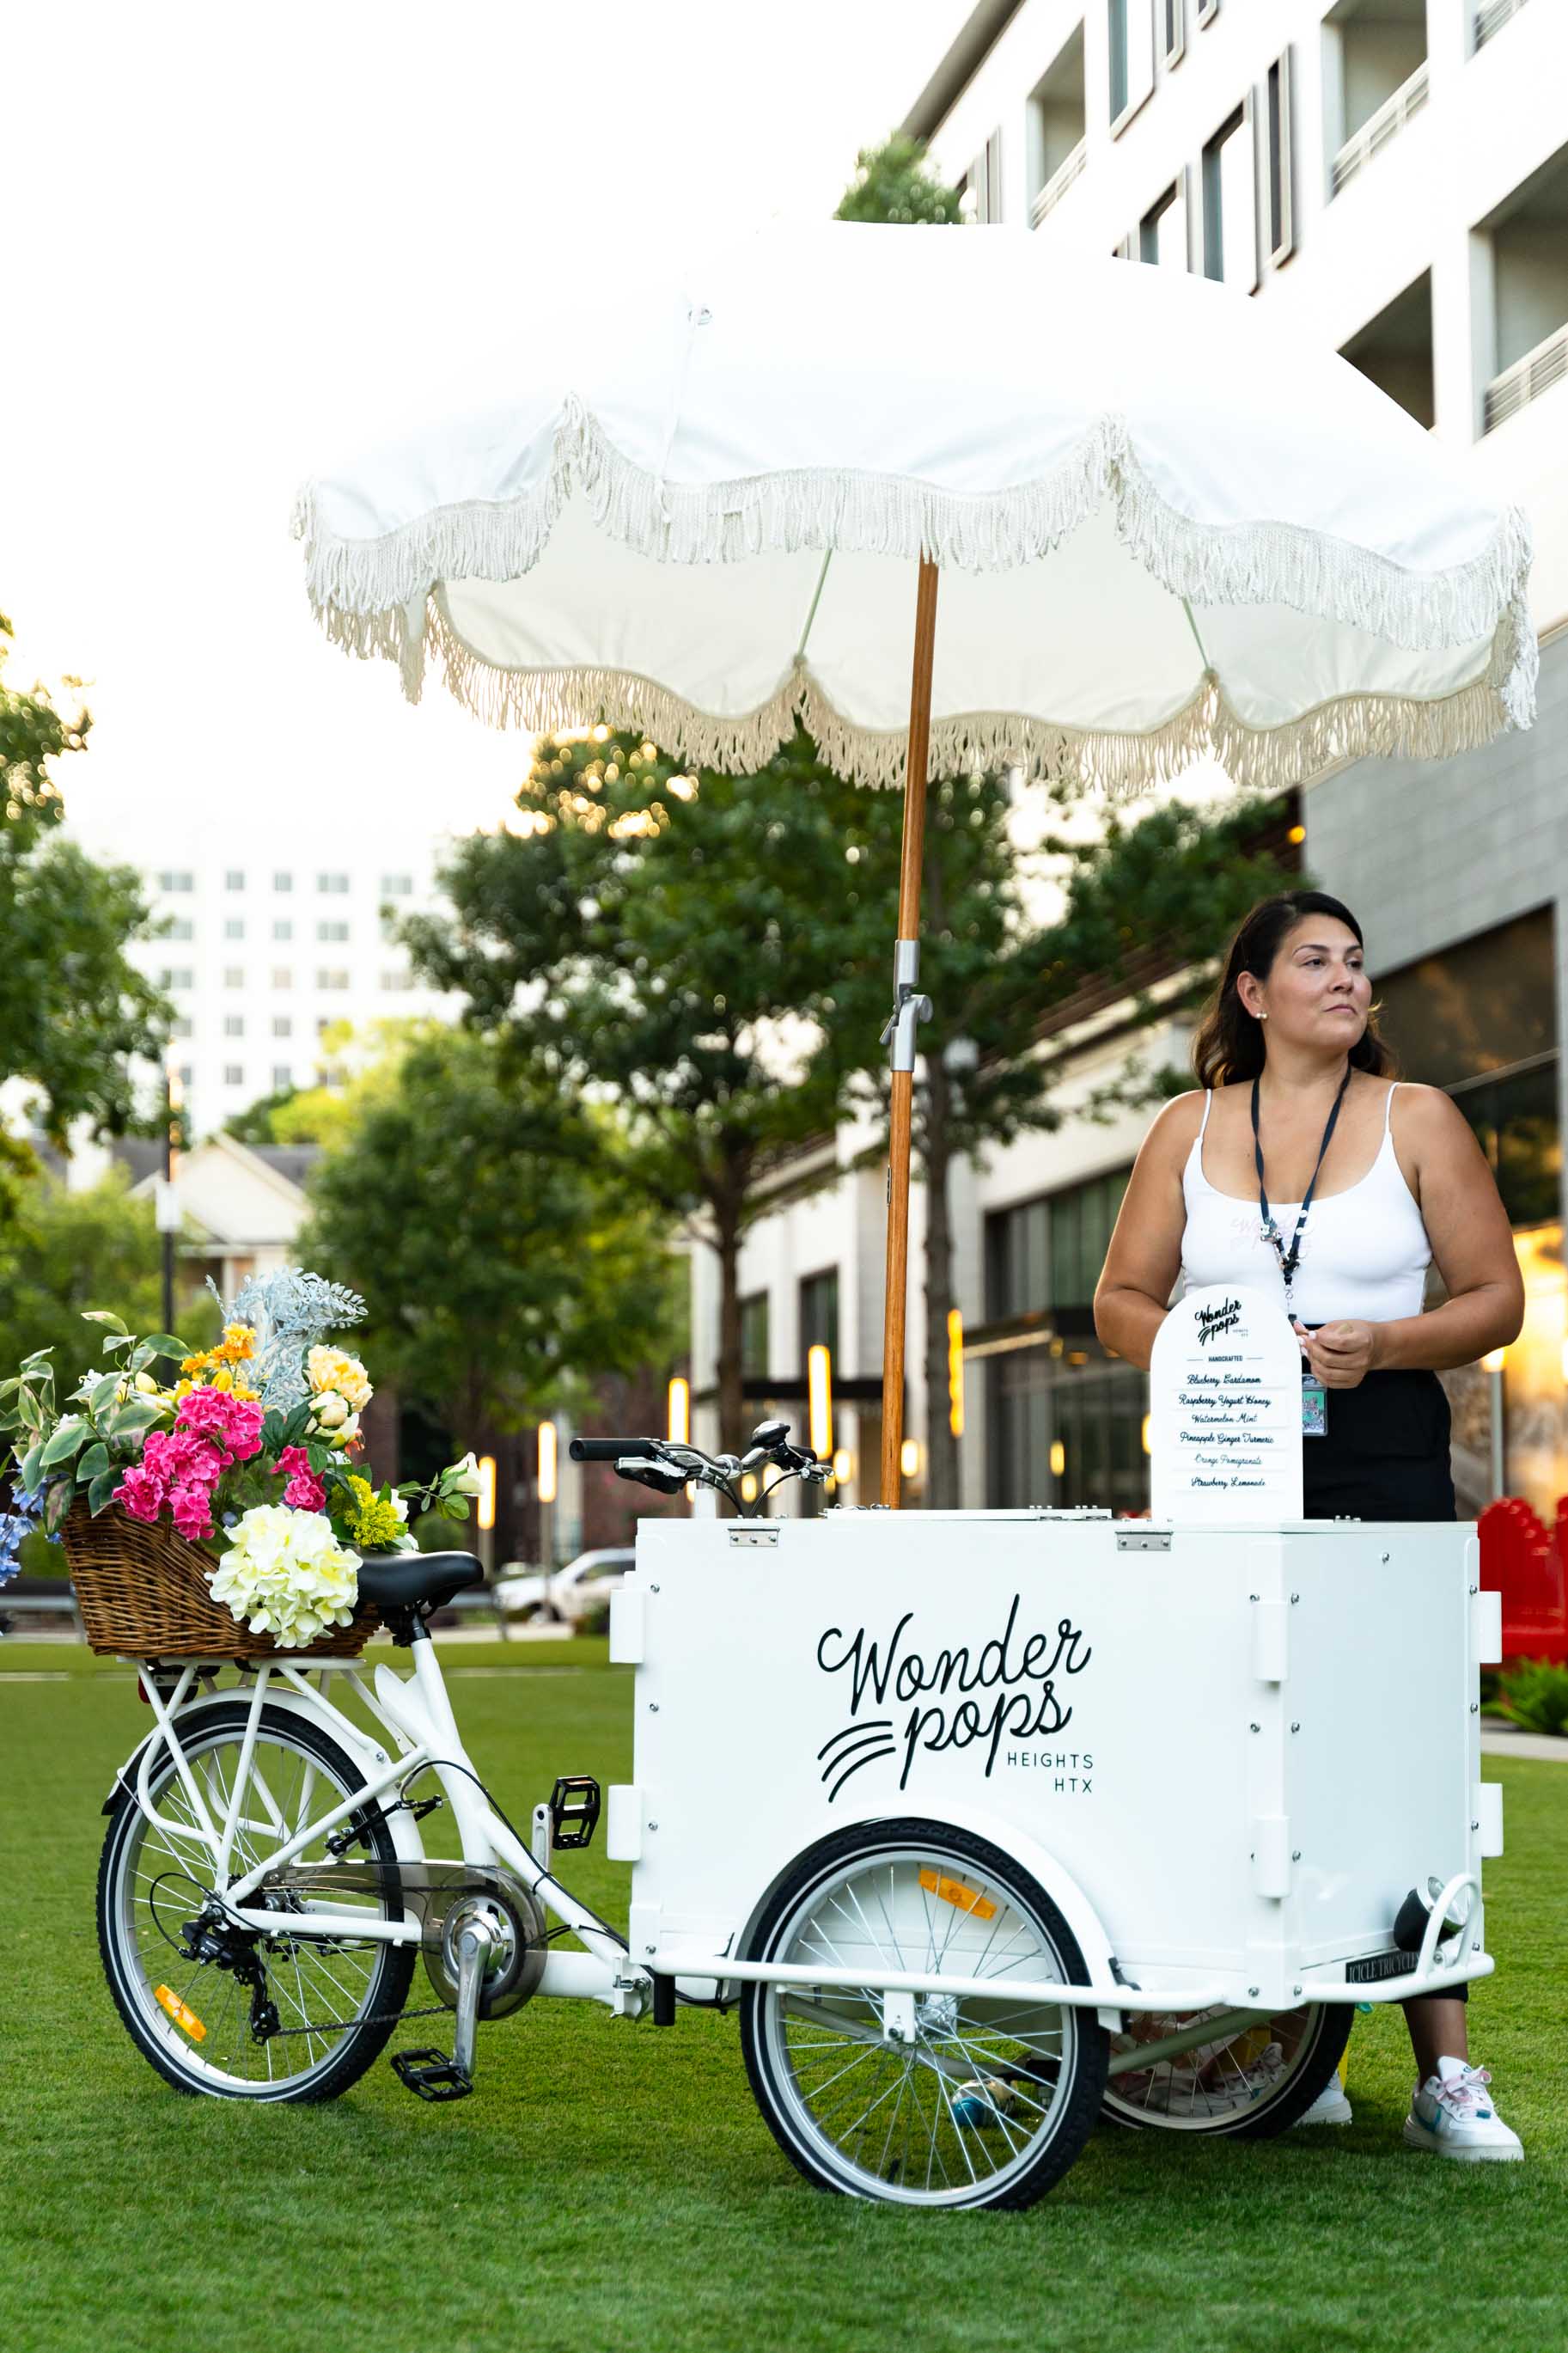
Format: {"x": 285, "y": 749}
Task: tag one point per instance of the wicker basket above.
{"x": 144, "y": 1593}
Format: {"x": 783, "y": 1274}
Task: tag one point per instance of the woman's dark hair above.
{"x": 1229, "y": 1044}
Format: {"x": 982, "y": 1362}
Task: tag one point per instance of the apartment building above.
{"x": 266, "y": 954}
{"x": 1396, "y": 171}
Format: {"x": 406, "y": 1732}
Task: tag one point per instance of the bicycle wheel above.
{"x": 260, "y": 2016}
{"x": 1246, "y": 2085}
{"x": 991, "y": 2099}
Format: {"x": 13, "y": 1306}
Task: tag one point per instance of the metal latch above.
{"x": 752, "y": 1536}
{"x": 1142, "y": 1539}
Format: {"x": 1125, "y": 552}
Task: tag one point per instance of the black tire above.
{"x": 1313, "y": 2040}
{"x": 389, "y": 1970}
{"x": 1069, "y": 2075}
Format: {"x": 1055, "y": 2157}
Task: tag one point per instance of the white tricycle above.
{"x": 988, "y": 1823}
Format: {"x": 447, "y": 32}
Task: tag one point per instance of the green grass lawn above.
{"x": 612, "y": 2185}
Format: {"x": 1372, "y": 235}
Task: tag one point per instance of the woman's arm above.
{"x": 1133, "y": 1297}
{"x": 1472, "y": 1247}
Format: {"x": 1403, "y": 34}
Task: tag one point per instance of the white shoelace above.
{"x": 1465, "y": 2095}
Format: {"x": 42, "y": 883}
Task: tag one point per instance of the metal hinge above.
{"x": 750, "y": 1537}
{"x": 1142, "y": 1539}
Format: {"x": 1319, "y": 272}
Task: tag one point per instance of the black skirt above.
{"x": 1385, "y": 1455}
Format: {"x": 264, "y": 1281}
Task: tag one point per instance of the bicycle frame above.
{"x": 417, "y": 1712}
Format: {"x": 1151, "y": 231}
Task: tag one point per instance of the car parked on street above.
{"x": 571, "y": 1593}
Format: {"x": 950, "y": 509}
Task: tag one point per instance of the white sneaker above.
{"x": 1452, "y": 2114}
{"x": 1330, "y": 2107}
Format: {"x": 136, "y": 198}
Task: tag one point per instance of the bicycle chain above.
{"x": 345, "y": 2025}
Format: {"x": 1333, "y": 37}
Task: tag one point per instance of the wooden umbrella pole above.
{"x": 908, "y": 1009}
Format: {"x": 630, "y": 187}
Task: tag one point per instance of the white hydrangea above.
{"x": 287, "y": 1574}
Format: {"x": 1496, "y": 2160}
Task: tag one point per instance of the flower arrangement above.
{"x": 253, "y": 1445}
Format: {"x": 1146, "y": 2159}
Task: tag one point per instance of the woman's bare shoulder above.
{"x": 1427, "y": 1115}
{"x": 1175, "y": 1130}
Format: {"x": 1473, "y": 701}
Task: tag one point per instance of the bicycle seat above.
{"x": 408, "y": 1580}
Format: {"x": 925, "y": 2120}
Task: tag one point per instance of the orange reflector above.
{"x": 953, "y": 1891}
{"x": 183, "y": 2017}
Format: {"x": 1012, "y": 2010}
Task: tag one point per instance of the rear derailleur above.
{"x": 212, "y": 1940}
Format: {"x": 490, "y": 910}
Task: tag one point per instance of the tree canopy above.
{"x": 469, "y": 1203}
{"x": 893, "y": 183}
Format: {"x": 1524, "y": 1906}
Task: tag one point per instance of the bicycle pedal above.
{"x": 574, "y": 1811}
{"x": 431, "y": 2075}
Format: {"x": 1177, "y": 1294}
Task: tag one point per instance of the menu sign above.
{"x": 1225, "y": 1421}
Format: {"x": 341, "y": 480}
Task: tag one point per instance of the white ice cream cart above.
{"x": 988, "y": 1822}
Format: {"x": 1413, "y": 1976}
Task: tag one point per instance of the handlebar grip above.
{"x": 612, "y": 1450}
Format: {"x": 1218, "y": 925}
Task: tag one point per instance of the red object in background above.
{"x": 1522, "y": 1559}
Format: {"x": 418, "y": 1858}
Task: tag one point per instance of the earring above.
{"x": 1263, "y": 1017}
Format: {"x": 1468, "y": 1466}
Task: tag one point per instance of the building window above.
{"x": 180, "y": 928}
{"x": 1162, "y": 231}
{"x": 1230, "y": 203}
{"x": 283, "y": 1025}
{"x": 332, "y": 930}
{"x": 1132, "y": 27}
{"x": 234, "y": 975}
{"x": 1279, "y": 113}
{"x": 331, "y": 977}
{"x": 1173, "y": 30}
{"x": 176, "y": 881}
{"x": 177, "y": 976}
{"x": 819, "y": 1313}
{"x": 234, "y": 1025}
{"x": 283, "y": 881}
{"x": 185, "y": 1076}
{"x": 283, "y": 975}
{"x": 234, "y": 880}
{"x": 754, "y": 1337}
{"x": 1064, "y": 1421}
{"x": 1394, "y": 350}
{"x": 183, "y": 1025}
{"x": 333, "y": 883}
{"x": 323, "y": 1023}
{"x": 1207, "y": 11}
{"x": 395, "y": 980}
{"x": 234, "y": 927}
{"x": 234, "y": 1075}
{"x": 396, "y": 886}
{"x": 283, "y": 929}
{"x": 282, "y": 1076}
{"x": 980, "y": 190}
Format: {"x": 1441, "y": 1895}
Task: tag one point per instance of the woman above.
{"x": 1296, "y": 1107}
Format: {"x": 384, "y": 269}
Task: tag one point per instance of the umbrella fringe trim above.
{"x": 1308, "y": 571}
{"x": 1119, "y": 762}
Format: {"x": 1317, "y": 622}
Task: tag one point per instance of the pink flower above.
{"x": 192, "y": 1512}
{"x": 230, "y": 1423}
{"x": 141, "y": 1491}
{"x": 305, "y": 1492}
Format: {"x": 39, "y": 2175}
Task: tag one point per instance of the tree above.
{"x": 75, "y": 1014}
{"x": 72, "y": 1252}
{"x": 893, "y": 182}
{"x": 672, "y": 941}
{"x": 470, "y": 1205}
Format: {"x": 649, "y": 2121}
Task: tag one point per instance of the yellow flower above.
{"x": 332, "y": 1370}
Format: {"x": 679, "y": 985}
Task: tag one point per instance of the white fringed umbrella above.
{"x": 1166, "y": 529}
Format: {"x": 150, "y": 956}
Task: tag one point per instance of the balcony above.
{"x": 1528, "y": 379}
{"x": 1059, "y": 184}
{"x": 1056, "y": 125}
{"x": 1490, "y": 18}
{"x": 1375, "y": 134}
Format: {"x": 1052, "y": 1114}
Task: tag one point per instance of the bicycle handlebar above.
{"x": 613, "y": 1449}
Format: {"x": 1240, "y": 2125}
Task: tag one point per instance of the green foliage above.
{"x": 74, "y": 1013}
{"x": 69, "y": 1252}
{"x": 893, "y": 183}
{"x": 1535, "y": 1695}
{"x": 470, "y": 1206}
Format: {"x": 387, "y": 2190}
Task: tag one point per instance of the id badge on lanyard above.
{"x": 1314, "y": 1394}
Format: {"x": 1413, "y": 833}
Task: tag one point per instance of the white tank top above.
{"x": 1365, "y": 1253}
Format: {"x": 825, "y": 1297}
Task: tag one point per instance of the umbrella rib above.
{"x": 816, "y": 601}
{"x": 1192, "y": 625}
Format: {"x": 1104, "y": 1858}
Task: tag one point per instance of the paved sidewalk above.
{"x": 1500, "y": 1738}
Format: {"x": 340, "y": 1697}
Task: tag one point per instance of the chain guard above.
{"x": 443, "y": 1896}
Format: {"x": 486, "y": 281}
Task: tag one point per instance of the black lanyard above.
{"x": 1289, "y": 1261}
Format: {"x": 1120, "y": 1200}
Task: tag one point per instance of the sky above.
{"x": 231, "y": 234}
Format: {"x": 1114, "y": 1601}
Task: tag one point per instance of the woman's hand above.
{"x": 1340, "y": 1353}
